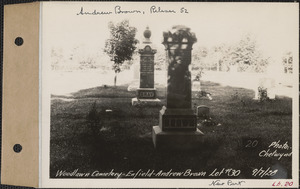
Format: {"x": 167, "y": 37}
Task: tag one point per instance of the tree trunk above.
{"x": 115, "y": 80}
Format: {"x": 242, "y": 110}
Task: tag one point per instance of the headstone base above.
{"x": 177, "y": 119}
{"x": 176, "y": 140}
{"x": 145, "y": 102}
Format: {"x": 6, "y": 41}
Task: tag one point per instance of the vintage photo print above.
{"x": 157, "y": 94}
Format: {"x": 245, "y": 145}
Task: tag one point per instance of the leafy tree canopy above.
{"x": 121, "y": 44}
{"x": 245, "y": 54}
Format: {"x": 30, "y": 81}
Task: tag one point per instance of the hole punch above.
{"x": 17, "y": 148}
{"x": 19, "y": 41}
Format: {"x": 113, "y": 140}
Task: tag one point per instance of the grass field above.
{"x": 118, "y": 136}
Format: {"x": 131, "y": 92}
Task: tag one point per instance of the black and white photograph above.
{"x": 181, "y": 94}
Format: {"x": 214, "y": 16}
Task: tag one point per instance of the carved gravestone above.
{"x": 147, "y": 90}
{"x": 177, "y": 122}
{"x": 203, "y": 111}
{"x": 146, "y": 93}
{"x": 267, "y": 86}
{"x": 196, "y": 84}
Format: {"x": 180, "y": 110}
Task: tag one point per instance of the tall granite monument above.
{"x": 177, "y": 121}
{"x": 146, "y": 92}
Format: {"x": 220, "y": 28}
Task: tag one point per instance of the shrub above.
{"x": 94, "y": 119}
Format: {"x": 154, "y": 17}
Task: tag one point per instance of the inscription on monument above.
{"x": 146, "y": 80}
{"x": 147, "y": 94}
{"x": 177, "y": 122}
{"x": 147, "y": 64}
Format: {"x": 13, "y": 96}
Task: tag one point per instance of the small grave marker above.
{"x": 203, "y": 112}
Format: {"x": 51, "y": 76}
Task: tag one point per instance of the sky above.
{"x": 274, "y": 25}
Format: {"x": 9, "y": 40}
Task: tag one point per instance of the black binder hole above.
{"x": 19, "y": 41}
{"x": 17, "y": 148}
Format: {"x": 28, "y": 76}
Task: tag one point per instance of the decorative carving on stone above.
{"x": 179, "y": 38}
{"x": 178, "y": 43}
{"x": 177, "y": 127}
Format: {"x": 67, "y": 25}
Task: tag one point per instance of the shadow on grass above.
{"x": 123, "y": 140}
{"x": 106, "y": 91}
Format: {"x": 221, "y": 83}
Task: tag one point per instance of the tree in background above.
{"x": 247, "y": 57}
{"x": 128, "y": 63}
{"x": 160, "y": 59}
{"x": 224, "y": 56}
{"x": 243, "y": 55}
{"x": 199, "y": 58}
{"x": 121, "y": 44}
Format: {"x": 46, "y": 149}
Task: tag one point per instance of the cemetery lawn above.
{"x": 119, "y": 136}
